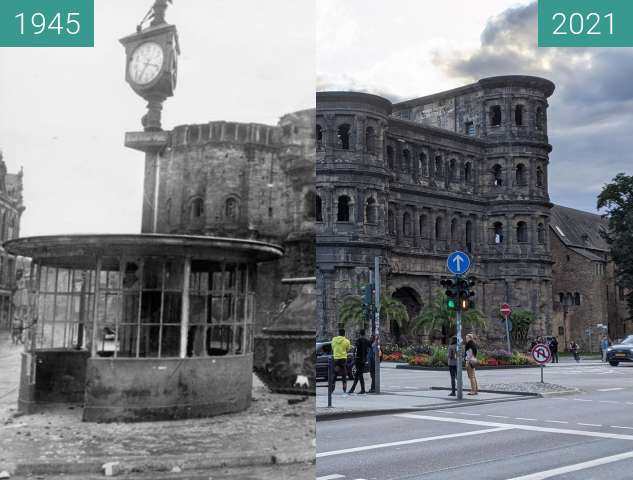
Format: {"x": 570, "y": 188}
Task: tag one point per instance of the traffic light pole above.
{"x": 460, "y": 356}
{"x": 377, "y": 325}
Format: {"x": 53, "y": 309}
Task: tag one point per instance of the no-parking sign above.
{"x": 541, "y": 353}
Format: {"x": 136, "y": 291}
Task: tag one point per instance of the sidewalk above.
{"x": 346, "y": 405}
{"x": 276, "y": 433}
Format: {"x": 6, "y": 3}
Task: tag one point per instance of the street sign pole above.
{"x": 460, "y": 356}
{"x": 508, "y": 335}
{"x": 377, "y": 328}
{"x": 506, "y": 311}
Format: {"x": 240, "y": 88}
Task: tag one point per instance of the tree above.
{"x": 617, "y": 199}
{"x": 521, "y": 321}
{"x": 351, "y": 312}
{"x": 437, "y": 316}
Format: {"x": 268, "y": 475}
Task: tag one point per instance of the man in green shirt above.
{"x": 340, "y": 347}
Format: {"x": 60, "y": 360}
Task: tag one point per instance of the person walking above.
{"x": 340, "y": 347}
{"x": 363, "y": 346}
{"x": 471, "y": 363}
{"x": 573, "y": 348}
{"x": 604, "y": 346}
{"x": 553, "y": 347}
{"x": 452, "y": 363}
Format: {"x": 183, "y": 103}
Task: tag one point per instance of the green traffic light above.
{"x": 451, "y": 304}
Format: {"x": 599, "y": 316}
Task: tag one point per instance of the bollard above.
{"x": 329, "y": 381}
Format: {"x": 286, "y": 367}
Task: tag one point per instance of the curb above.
{"x": 506, "y": 392}
{"x": 391, "y": 411}
{"x": 440, "y": 369}
{"x": 163, "y": 464}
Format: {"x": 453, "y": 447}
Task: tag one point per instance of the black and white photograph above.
{"x": 157, "y": 211}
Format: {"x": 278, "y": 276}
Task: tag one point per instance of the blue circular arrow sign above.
{"x": 458, "y": 263}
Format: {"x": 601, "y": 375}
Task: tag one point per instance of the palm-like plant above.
{"x": 437, "y": 316}
{"x": 391, "y": 309}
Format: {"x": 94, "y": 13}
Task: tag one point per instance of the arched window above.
{"x": 230, "y": 209}
{"x": 319, "y": 138}
{"x": 439, "y": 228}
{"x": 561, "y": 297}
{"x": 539, "y": 176}
{"x": 391, "y": 222}
{"x": 497, "y": 176}
{"x": 342, "y": 136}
{"x": 495, "y": 115}
{"x": 319, "y": 208}
{"x": 197, "y": 208}
{"x": 498, "y": 232}
{"x": 539, "y": 119}
{"x": 406, "y": 161}
{"x": 576, "y": 298}
{"x": 370, "y": 140}
{"x": 469, "y": 236}
{"x": 342, "y": 214}
{"x": 423, "y": 226}
{"x": 390, "y": 157}
{"x": 468, "y": 173}
{"x": 521, "y": 177}
{"x": 454, "y": 229}
{"x": 452, "y": 166}
{"x": 407, "y": 229}
{"x": 309, "y": 205}
{"x": 438, "y": 167}
{"x": 522, "y": 232}
{"x": 518, "y": 115}
{"x": 423, "y": 165}
{"x": 370, "y": 210}
{"x": 541, "y": 233}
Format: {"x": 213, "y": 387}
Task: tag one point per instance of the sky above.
{"x": 411, "y": 48}
{"x": 64, "y": 111}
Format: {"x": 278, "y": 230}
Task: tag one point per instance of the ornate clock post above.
{"x": 151, "y": 69}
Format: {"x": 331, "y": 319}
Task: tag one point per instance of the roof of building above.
{"x": 580, "y": 231}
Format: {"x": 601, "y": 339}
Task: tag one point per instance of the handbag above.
{"x": 473, "y": 362}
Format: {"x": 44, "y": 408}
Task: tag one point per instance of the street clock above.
{"x": 151, "y": 66}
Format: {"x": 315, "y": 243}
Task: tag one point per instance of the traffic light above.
{"x": 451, "y": 293}
{"x": 459, "y": 294}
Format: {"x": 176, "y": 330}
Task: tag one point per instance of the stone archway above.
{"x": 413, "y": 303}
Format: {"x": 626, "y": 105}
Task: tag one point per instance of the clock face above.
{"x": 146, "y": 63}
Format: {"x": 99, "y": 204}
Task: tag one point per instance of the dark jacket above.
{"x": 362, "y": 349}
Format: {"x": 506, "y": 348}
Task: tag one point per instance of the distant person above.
{"x": 532, "y": 345}
{"x": 573, "y": 348}
{"x": 363, "y": 346}
{"x": 371, "y": 357}
{"x": 553, "y": 346}
{"x": 340, "y": 347}
{"x": 604, "y": 346}
{"x": 452, "y": 363}
{"x": 471, "y": 363}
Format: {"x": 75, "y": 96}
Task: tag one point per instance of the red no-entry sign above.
{"x": 505, "y": 310}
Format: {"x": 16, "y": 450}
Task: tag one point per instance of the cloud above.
{"x": 590, "y": 114}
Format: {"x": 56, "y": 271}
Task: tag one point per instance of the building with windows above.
{"x": 11, "y": 208}
{"x": 464, "y": 169}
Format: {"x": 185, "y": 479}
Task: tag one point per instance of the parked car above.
{"x": 622, "y": 352}
{"x": 324, "y": 352}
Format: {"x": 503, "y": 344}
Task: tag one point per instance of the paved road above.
{"x": 584, "y": 436}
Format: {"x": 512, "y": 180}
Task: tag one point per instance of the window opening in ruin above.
{"x": 497, "y": 178}
{"x": 541, "y": 233}
{"x": 438, "y": 167}
{"x": 319, "y": 208}
{"x": 439, "y": 227}
{"x": 342, "y": 135}
{"x": 230, "y": 209}
{"x": 468, "y": 172}
{"x": 319, "y": 138}
{"x": 453, "y": 169}
{"x": 370, "y": 210}
{"x": 406, "y": 224}
{"x": 422, "y": 222}
{"x": 197, "y": 208}
{"x": 539, "y": 119}
{"x": 561, "y": 297}
{"x": 453, "y": 229}
{"x": 498, "y": 232}
{"x": 469, "y": 236}
{"x": 576, "y": 298}
{"x": 406, "y": 161}
{"x": 495, "y": 115}
{"x": 390, "y": 157}
{"x": 522, "y": 232}
{"x": 370, "y": 140}
{"x": 342, "y": 214}
{"x": 469, "y": 129}
{"x": 521, "y": 177}
{"x": 423, "y": 165}
{"x": 518, "y": 115}
{"x": 539, "y": 176}
{"x": 391, "y": 222}
{"x": 309, "y": 205}
{"x": 561, "y": 331}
